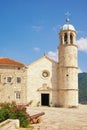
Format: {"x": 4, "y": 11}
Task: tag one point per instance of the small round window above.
{"x": 45, "y": 74}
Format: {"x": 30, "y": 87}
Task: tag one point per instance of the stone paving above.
{"x": 61, "y": 118}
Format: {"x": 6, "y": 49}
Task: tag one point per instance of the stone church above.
{"x": 44, "y": 82}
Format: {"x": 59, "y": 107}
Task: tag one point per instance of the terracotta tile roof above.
{"x": 7, "y": 61}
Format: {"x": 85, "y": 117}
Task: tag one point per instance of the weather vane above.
{"x": 67, "y": 16}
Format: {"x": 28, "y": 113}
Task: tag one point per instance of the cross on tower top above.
{"x": 67, "y": 16}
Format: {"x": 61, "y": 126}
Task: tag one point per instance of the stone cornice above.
{"x": 65, "y": 45}
{"x": 66, "y": 89}
{"x": 68, "y": 67}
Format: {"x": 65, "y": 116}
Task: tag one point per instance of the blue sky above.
{"x": 30, "y": 27}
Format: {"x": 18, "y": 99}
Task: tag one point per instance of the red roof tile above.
{"x": 7, "y": 61}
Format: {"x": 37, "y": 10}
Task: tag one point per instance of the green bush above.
{"x": 3, "y": 115}
{"x": 13, "y": 111}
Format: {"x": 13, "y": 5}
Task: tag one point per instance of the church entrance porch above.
{"x": 44, "y": 99}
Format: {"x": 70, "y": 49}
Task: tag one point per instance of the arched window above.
{"x": 65, "y": 38}
{"x": 71, "y": 38}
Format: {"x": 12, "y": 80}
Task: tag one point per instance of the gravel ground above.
{"x": 61, "y": 118}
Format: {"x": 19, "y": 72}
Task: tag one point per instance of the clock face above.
{"x": 45, "y": 74}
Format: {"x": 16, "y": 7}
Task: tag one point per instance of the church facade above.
{"x": 44, "y": 82}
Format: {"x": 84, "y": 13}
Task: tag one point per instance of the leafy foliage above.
{"x": 13, "y": 111}
{"x": 82, "y": 82}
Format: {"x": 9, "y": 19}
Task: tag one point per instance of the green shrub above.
{"x": 13, "y": 111}
{"x": 3, "y": 115}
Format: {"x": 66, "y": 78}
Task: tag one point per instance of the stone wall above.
{"x": 38, "y": 84}
{"x": 10, "y": 125}
{"x": 68, "y": 55}
{"x": 8, "y": 90}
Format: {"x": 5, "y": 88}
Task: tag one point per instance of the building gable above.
{"x": 42, "y": 59}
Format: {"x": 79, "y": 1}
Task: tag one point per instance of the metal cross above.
{"x": 68, "y": 14}
{"x": 67, "y": 18}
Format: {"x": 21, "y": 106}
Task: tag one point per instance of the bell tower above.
{"x": 68, "y": 67}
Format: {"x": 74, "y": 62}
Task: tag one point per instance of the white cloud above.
{"x": 79, "y": 71}
{"x": 37, "y": 49}
{"x": 53, "y": 55}
{"x": 37, "y": 28}
{"x": 82, "y": 44}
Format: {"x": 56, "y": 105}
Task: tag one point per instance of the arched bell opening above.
{"x": 65, "y": 38}
{"x": 71, "y": 38}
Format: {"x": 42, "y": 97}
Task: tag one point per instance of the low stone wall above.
{"x": 10, "y": 125}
